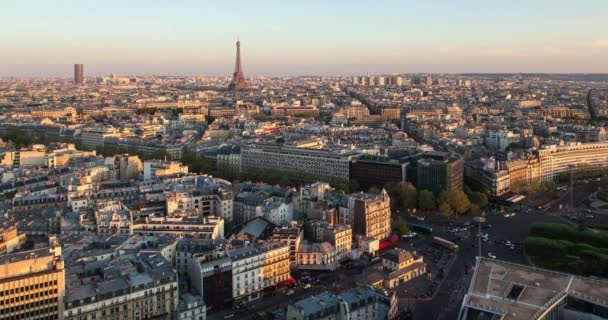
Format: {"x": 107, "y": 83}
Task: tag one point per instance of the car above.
{"x": 306, "y": 286}
{"x": 289, "y": 292}
{"x": 508, "y": 244}
{"x": 491, "y": 255}
{"x": 506, "y": 215}
{"x": 420, "y": 218}
{"x": 589, "y": 216}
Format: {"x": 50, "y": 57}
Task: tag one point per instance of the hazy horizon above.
{"x": 339, "y": 38}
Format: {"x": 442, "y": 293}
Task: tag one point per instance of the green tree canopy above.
{"x": 400, "y": 225}
{"x": 457, "y": 200}
{"x": 426, "y": 200}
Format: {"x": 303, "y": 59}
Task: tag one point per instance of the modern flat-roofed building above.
{"x": 323, "y": 165}
{"x": 93, "y": 137}
{"x": 32, "y": 284}
{"x": 209, "y": 227}
{"x": 436, "y": 172}
{"x": 161, "y": 168}
{"x": 369, "y": 172}
{"x": 507, "y": 291}
{"x": 555, "y": 160}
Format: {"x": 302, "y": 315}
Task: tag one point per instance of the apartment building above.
{"x": 369, "y": 214}
{"x": 206, "y": 228}
{"x": 338, "y": 235}
{"x": 161, "y": 168}
{"x": 290, "y": 233}
{"x": 257, "y": 267}
{"x": 362, "y": 303}
{"x": 11, "y": 240}
{"x": 132, "y": 286}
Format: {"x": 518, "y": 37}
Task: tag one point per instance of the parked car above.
{"x": 491, "y": 255}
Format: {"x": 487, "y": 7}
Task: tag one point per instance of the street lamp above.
{"x": 481, "y": 219}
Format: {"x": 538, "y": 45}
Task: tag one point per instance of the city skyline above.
{"x": 339, "y": 38}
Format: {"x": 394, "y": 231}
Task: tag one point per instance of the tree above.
{"x": 400, "y": 225}
{"x": 409, "y": 196}
{"x": 393, "y": 190}
{"x": 460, "y": 203}
{"x": 209, "y": 120}
{"x": 457, "y": 200}
{"x": 197, "y": 163}
{"x": 479, "y": 199}
{"x": 374, "y": 190}
{"x": 353, "y": 186}
{"x": 445, "y": 209}
{"x": 250, "y": 173}
{"x": 426, "y": 200}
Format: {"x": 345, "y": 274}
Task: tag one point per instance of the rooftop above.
{"x": 522, "y": 292}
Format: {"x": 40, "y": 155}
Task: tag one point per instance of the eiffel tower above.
{"x": 238, "y": 81}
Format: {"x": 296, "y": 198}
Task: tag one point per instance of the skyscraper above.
{"x": 238, "y": 81}
{"x": 78, "y": 73}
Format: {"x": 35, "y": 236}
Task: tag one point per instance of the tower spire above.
{"x": 238, "y": 80}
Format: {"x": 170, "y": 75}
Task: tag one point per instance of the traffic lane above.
{"x": 457, "y": 277}
{"x": 268, "y": 303}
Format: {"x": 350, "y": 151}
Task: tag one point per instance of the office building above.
{"x": 317, "y": 164}
{"x": 556, "y": 160}
{"x": 436, "y": 171}
{"x": 32, "y": 283}
{"x": 95, "y": 136}
{"x": 78, "y": 73}
{"x": 375, "y": 171}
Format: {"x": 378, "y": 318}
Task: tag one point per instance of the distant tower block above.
{"x": 78, "y": 73}
{"x": 238, "y": 80}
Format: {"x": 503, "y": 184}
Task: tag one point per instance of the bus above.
{"x": 420, "y": 228}
{"x": 445, "y": 243}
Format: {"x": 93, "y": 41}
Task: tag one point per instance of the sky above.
{"x": 43, "y": 38}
